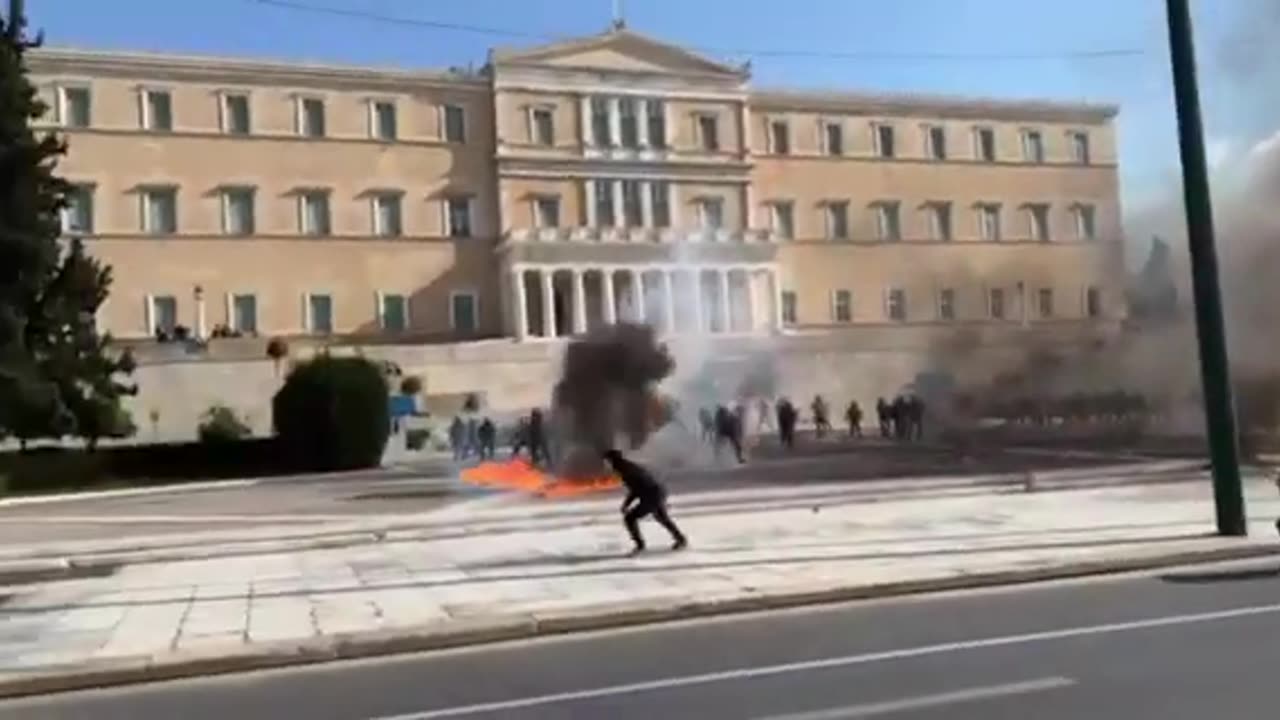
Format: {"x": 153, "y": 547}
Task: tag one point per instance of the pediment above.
{"x": 620, "y": 50}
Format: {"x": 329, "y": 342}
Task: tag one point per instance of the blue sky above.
{"x": 1140, "y": 84}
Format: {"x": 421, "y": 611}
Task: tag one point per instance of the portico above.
{"x": 557, "y": 300}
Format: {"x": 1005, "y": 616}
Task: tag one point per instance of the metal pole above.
{"x": 13, "y": 23}
{"x": 1215, "y": 373}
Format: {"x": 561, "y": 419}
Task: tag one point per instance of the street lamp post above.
{"x": 1215, "y": 375}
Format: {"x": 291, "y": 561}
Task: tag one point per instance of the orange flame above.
{"x": 521, "y": 476}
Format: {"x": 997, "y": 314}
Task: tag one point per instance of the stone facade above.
{"x": 438, "y": 215}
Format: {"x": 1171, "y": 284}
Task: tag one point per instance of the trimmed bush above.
{"x": 332, "y": 414}
{"x": 219, "y": 424}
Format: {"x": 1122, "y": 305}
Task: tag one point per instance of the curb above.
{"x": 488, "y": 630}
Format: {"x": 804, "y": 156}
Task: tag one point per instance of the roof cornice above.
{"x": 934, "y": 105}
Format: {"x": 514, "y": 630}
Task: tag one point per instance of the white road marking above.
{"x": 921, "y": 702}
{"x": 837, "y": 662}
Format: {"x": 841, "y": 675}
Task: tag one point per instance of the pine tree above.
{"x": 30, "y": 199}
{"x": 57, "y": 375}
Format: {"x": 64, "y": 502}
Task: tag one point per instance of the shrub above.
{"x": 411, "y": 385}
{"x": 219, "y": 424}
{"x": 332, "y": 413}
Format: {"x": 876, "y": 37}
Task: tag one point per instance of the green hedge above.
{"x": 332, "y": 414}
{"x": 56, "y": 469}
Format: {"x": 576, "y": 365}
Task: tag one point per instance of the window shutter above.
{"x": 378, "y": 310}
{"x": 148, "y": 313}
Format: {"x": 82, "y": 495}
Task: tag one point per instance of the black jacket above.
{"x": 640, "y": 483}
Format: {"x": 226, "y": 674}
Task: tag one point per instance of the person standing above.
{"x": 457, "y": 431}
{"x": 645, "y": 496}
{"x": 884, "y": 415}
{"x": 854, "y": 415}
{"x": 488, "y": 436}
{"x": 787, "y": 417}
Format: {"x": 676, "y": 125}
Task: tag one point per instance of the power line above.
{"x": 867, "y": 55}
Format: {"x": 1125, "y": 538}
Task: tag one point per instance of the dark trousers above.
{"x": 733, "y": 441}
{"x": 657, "y": 507}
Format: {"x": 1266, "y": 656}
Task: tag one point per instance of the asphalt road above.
{"x": 1191, "y": 644}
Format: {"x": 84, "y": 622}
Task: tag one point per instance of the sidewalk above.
{"x": 498, "y": 573}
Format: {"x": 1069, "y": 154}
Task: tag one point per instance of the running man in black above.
{"x": 649, "y": 498}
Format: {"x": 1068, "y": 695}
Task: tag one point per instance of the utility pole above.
{"x": 1215, "y": 373}
{"x": 13, "y": 23}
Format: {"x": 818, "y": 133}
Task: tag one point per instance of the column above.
{"x": 637, "y": 295}
{"x": 619, "y": 213}
{"x": 579, "y": 301}
{"x": 548, "y": 303}
{"x": 520, "y": 296}
{"x": 753, "y": 302}
{"x": 589, "y": 197}
{"x": 668, "y": 302}
{"x": 615, "y": 123}
{"x": 646, "y": 203}
{"x": 609, "y": 301}
{"x": 744, "y": 128}
{"x": 726, "y": 317}
{"x": 776, "y": 287}
{"x": 748, "y": 211}
{"x": 699, "y": 319}
{"x": 584, "y": 121}
{"x": 202, "y": 318}
{"x": 673, "y": 205}
{"x": 642, "y": 124}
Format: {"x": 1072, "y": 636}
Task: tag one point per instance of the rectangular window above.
{"x": 76, "y": 107}
{"x": 320, "y": 314}
{"x": 1093, "y": 302}
{"x": 464, "y": 313}
{"x": 833, "y": 138}
{"x": 632, "y": 204}
{"x": 383, "y": 120}
{"x": 660, "y": 203}
{"x": 842, "y": 306}
{"x": 888, "y": 222}
{"x": 884, "y": 141}
{"x": 788, "y": 308}
{"x": 657, "y": 120}
{"x": 628, "y": 123}
{"x": 459, "y": 211}
{"x": 947, "y": 304}
{"x": 77, "y": 216}
{"x": 542, "y": 127}
{"x": 1082, "y": 218}
{"x": 779, "y": 137}
{"x": 387, "y": 216}
{"x": 1044, "y": 302}
{"x": 709, "y": 132}
{"x": 935, "y": 142}
{"x": 995, "y": 303}
{"x": 455, "y": 124}
{"x": 313, "y": 211}
{"x": 896, "y": 305}
{"x": 546, "y": 210}
{"x": 939, "y": 221}
{"x": 600, "y": 122}
{"x": 711, "y": 213}
{"x": 237, "y": 211}
{"x": 235, "y": 114}
{"x": 164, "y": 314}
{"x": 837, "y": 220}
{"x": 984, "y": 144}
{"x": 160, "y": 211}
{"x": 784, "y": 219}
{"x": 244, "y": 314}
{"x": 311, "y": 120}
{"x": 989, "y": 222}
{"x": 604, "y": 203}
{"x": 1080, "y": 147}
{"x": 394, "y": 313}
{"x": 1032, "y": 146}
{"x": 1038, "y": 222}
{"x": 157, "y": 113}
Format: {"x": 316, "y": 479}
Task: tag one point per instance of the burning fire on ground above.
{"x": 521, "y": 476}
